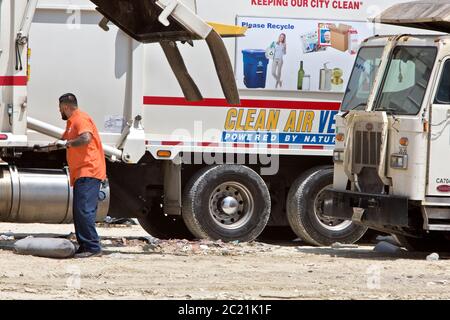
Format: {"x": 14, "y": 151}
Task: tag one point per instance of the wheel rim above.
{"x": 326, "y": 222}
{"x": 231, "y": 205}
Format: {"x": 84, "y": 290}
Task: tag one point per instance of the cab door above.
{"x": 439, "y": 158}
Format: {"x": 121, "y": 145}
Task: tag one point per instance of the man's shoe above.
{"x": 87, "y": 254}
{"x": 79, "y": 250}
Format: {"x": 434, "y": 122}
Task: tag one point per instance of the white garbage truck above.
{"x": 190, "y": 153}
{"x": 392, "y": 151}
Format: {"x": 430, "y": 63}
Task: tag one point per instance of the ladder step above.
{"x": 439, "y": 227}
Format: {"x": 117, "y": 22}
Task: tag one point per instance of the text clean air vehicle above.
{"x": 391, "y": 157}
{"x": 198, "y": 144}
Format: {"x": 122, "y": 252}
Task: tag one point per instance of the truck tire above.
{"x": 164, "y": 227}
{"x": 304, "y": 211}
{"x": 433, "y": 242}
{"x": 226, "y": 202}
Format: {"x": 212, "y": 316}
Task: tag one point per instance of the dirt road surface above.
{"x": 134, "y": 268}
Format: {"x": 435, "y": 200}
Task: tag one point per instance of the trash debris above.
{"x": 124, "y": 221}
{"x": 107, "y": 242}
{"x": 338, "y": 245}
{"x": 6, "y": 238}
{"x": 45, "y": 248}
{"x": 118, "y": 255}
{"x": 386, "y": 247}
{"x": 438, "y": 282}
{"x": 204, "y": 247}
{"x": 187, "y": 248}
{"x": 28, "y": 290}
{"x": 433, "y": 257}
{"x": 151, "y": 240}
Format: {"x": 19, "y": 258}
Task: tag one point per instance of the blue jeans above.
{"x": 85, "y": 203}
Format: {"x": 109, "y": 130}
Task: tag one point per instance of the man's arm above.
{"x": 83, "y": 140}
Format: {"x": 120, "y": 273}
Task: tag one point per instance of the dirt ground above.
{"x": 134, "y": 268}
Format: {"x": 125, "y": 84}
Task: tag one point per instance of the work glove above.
{"x": 61, "y": 144}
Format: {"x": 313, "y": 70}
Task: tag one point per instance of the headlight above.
{"x": 338, "y": 155}
{"x": 399, "y": 161}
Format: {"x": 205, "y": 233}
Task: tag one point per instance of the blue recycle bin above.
{"x": 255, "y": 68}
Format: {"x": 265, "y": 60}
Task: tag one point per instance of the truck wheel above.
{"x": 428, "y": 243}
{"x": 226, "y": 202}
{"x": 163, "y": 227}
{"x": 305, "y": 211}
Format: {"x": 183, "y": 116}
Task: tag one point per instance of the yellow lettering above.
{"x": 300, "y": 120}
{"x": 290, "y": 123}
{"x": 261, "y": 121}
{"x": 272, "y": 122}
{"x": 239, "y": 126}
{"x": 308, "y": 123}
{"x": 229, "y": 123}
{"x": 249, "y": 126}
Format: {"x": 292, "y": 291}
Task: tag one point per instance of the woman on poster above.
{"x": 277, "y": 64}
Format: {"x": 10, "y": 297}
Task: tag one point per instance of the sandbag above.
{"x": 45, "y": 247}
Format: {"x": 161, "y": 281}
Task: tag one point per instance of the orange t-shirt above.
{"x": 86, "y": 161}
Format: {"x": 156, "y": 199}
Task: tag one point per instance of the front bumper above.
{"x": 369, "y": 209}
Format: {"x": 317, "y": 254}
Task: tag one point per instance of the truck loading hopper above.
{"x": 425, "y": 14}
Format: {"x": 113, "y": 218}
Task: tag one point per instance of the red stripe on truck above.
{"x": 278, "y": 146}
{"x": 313, "y": 147}
{"x": 172, "y": 143}
{"x": 13, "y": 81}
{"x": 245, "y": 103}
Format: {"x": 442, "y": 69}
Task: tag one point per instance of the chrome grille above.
{"x": 367, "y": 148}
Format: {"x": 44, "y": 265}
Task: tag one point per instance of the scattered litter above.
{"x": 286, "y": 297}
{"x": 386, "y": 247}
{"x": 107, "y": 242}
{"x": 126, "y": 222}
{"x": 118, "y": 255}
{"x": 226, "y": 252}
{"x": 433, "y": 257}
{"x": 338, "y": 245}
{"x": 6, "y": 238}
{"x": 28, "y": 290}
{"x": 186, "y": 248}
{"x": 151, "y": 240}
{"x": 204, "y": 247}
{"x": 438, "y": 282}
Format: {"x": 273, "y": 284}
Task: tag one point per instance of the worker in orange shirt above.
{"x": 87, "y": 168}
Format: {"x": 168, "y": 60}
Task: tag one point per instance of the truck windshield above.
{"x": 406, "y": 80}
{"x": 361, "y": 81}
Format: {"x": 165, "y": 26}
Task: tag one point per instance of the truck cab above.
{"x": 393, "y": 134}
